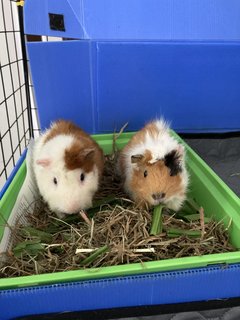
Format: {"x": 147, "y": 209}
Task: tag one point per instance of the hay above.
{"x": 118, "y": 233}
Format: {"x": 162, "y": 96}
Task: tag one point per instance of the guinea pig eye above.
{"x": 145, "y": 173}
{"x": 55, "y": 180}
{"x": 82, "y": 176}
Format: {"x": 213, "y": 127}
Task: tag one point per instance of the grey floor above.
{"x": 222, "y": 155}
{"x": 218, "y": 314}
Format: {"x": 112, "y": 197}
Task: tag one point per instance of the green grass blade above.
{"x": 32, "y": 247}
{"x": 94, "y": 255}
{"x": 156, "y": 226}
{"x": 180, "y": 232}
{"x": 42, "y": 235}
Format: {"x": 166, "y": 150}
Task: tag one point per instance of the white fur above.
{"x": 70, "y": 194}
{"x": 159, "y": 146}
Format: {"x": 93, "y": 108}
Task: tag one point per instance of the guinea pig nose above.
{"x": 158, "y": 196}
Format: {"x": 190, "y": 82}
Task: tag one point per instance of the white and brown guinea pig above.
{"x": 153, "y": 167}
{"x": 67, "y": 164}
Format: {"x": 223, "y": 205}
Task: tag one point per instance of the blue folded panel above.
{"x": 61, "y": 75}
{"x": 136, "y": 60}
{"x": 101, "y": 85}
{"x": 137, "y": 19}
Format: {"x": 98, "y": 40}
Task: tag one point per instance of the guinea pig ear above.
{"x": 173, "y": 160}
{"x": 88, "y": 154}
{"x": 44, "y": 162}
{"x": 137, "y": 158}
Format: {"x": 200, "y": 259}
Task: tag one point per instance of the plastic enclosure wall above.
{"x": 208, "y": 20}
{"x": 151, "y": 289}
{"x": 137, "y": 60}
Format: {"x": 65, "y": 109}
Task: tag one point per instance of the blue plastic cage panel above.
{"x": 62, "y": 77}
{"x": 141, "y": 290}
{"x": 137, "y": 19}
{"x": 104, "y": 84}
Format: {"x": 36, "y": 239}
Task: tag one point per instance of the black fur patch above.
{"x": 173, "y": 161}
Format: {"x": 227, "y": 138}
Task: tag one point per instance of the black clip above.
{"x": 56, "y": 22}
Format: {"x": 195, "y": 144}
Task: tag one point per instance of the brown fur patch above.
{"x": 64, "y": 127}
{"x": 158, "y": 180}
{"x": 77, "y": 156}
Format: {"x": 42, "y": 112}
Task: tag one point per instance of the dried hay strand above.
{"x": 118, "y": 233}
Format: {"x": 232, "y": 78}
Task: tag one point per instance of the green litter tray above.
{"x": 206, "y": 188}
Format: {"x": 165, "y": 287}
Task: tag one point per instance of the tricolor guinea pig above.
{"x": 67, "y": 164}
{"x": 152, "y": 165}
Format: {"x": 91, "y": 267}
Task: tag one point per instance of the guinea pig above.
{"x": 68, "y": 165}
{"x": 152, "y": 165}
